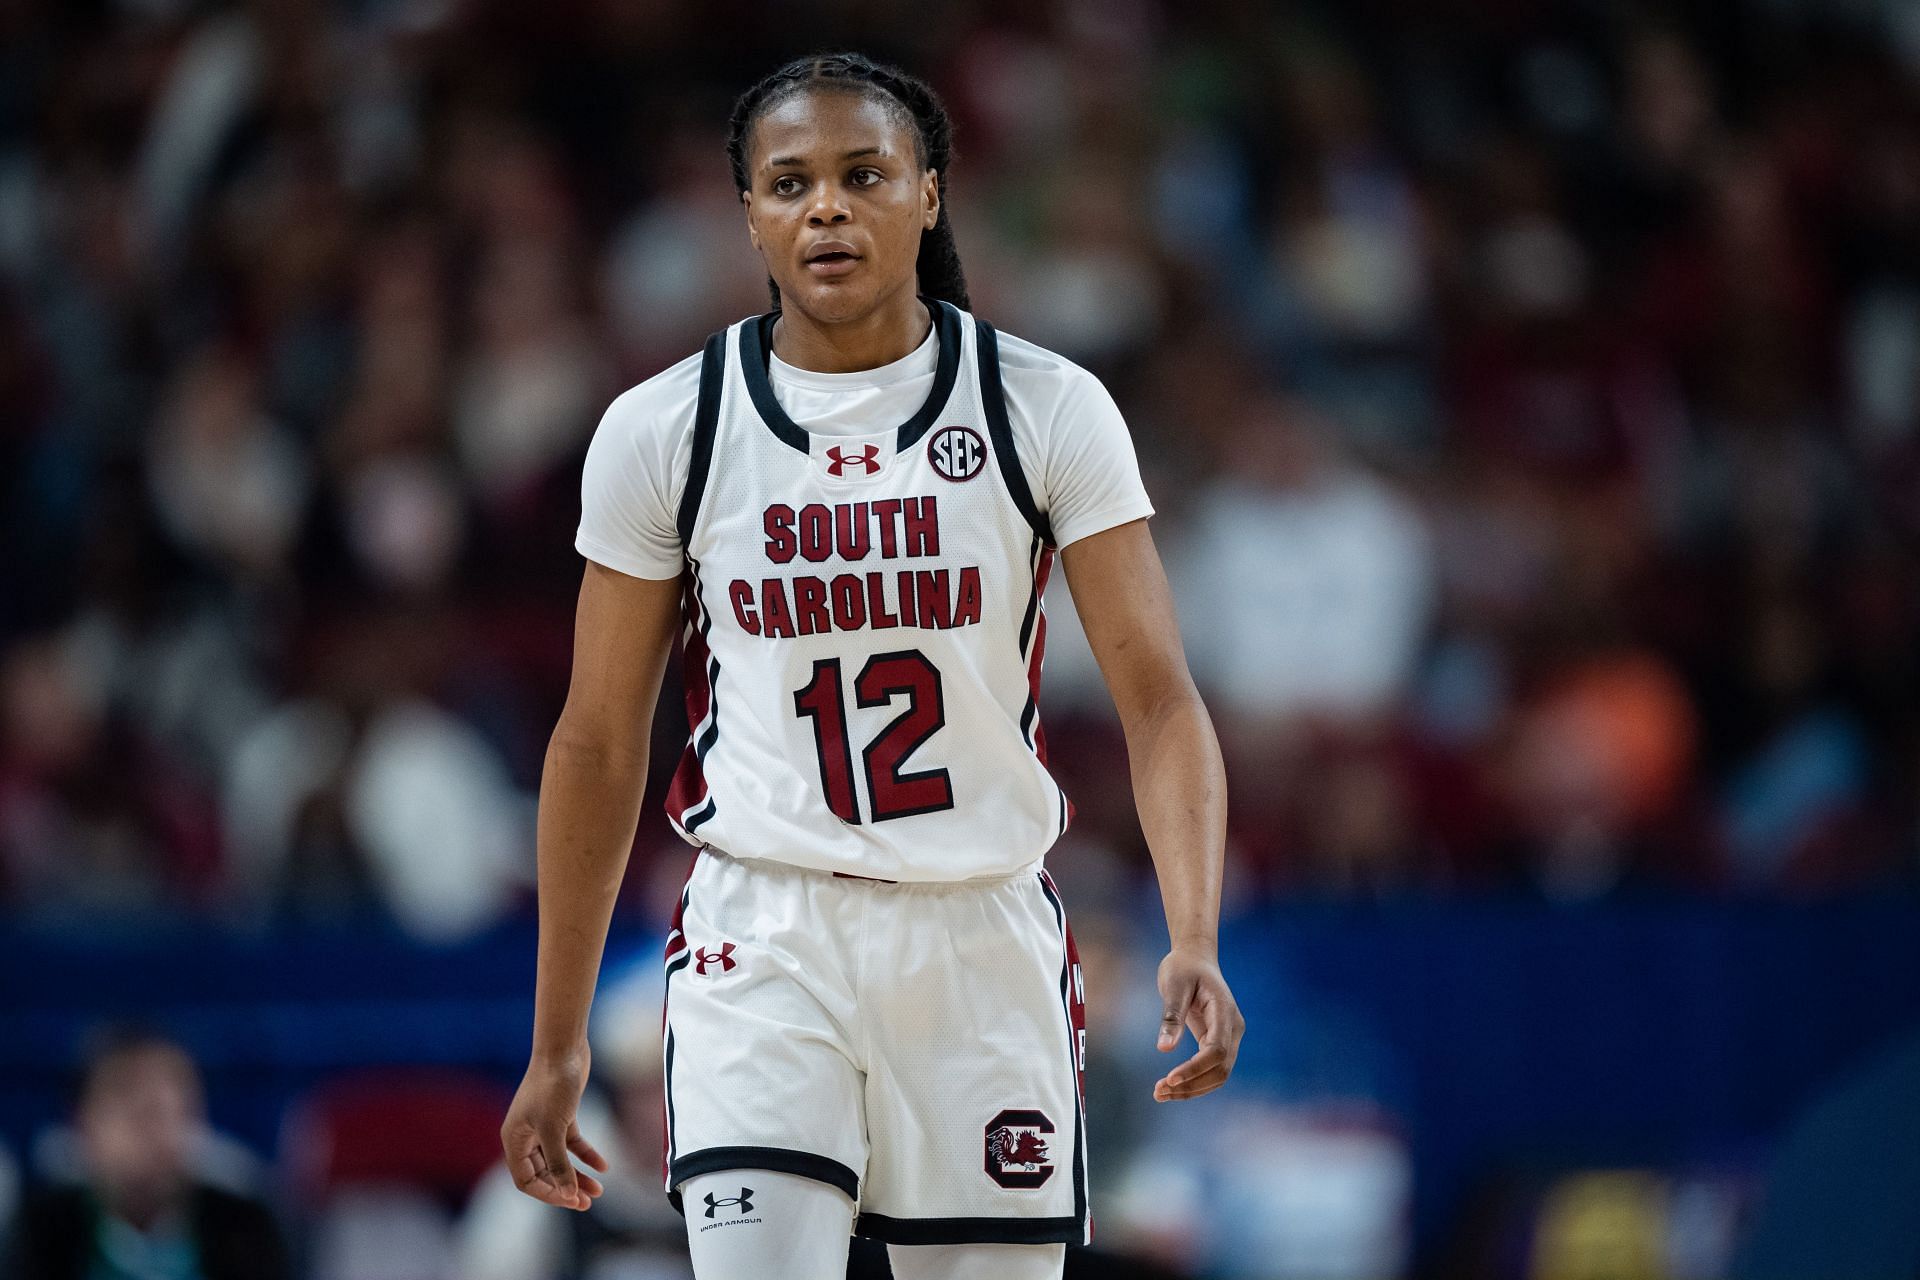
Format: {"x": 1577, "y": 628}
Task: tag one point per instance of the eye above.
{"x": 787, "y": 186}
{"x": 868, "y": 177}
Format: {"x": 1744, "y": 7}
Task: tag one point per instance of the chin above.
{"x": 831, "y": 302}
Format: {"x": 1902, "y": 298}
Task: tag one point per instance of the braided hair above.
{"x": 912, "y": 101}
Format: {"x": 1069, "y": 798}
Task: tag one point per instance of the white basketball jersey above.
{"x": 864, "y": 628}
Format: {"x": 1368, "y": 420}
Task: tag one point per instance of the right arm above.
{"x": 590, "y": 792}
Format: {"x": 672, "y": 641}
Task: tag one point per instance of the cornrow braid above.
{"x": 914, "y": 101}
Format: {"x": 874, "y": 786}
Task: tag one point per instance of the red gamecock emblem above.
{"x": 1017, "y": 1152}
{"x": 723, "y": 957}
{"x": 838, "y": 459}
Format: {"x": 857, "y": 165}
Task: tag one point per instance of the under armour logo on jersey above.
{"x": 742, "y": 1203}
{"x": 838, "y": 460}
{"x": 723, "y": 957}
{"x": 957, "y": 453}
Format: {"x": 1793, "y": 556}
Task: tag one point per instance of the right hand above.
{"x": 539, "y": 1131}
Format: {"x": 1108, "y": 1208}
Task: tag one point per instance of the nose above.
{"x": 827, "y": 208}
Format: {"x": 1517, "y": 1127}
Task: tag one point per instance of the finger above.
{"x": 559, "y": 1170}
{"x": 1193, "y": 1088}
{"x": 1175, "y": 1018}
{"x": 585, "y": 1150}
{"x": 525, "y": 1171}
{"x": 1221, "y": 1018}
{"x": 1211, "y": 1055}
{"x": 546, "y": 1193}
{"x": 531, "y": 1177}
{"x": 1206, "y": 1062}
{"x": 1219, "y": 1071}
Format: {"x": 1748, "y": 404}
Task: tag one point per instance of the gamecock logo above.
{"x": 957, "y": 453}
{"x": 838, "y": 460}
{"x": 1017, "y": 1155}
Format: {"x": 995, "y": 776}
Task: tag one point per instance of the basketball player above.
{"x": 849, "y": 506}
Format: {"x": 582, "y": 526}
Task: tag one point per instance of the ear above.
{"x": 930, "y": 199}
{"x": 746, "y": 200}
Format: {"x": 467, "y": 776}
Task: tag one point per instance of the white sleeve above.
{"x": 1090, "y": 474}
{"x": 635, "y": 471}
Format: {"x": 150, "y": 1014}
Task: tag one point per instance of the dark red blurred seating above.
{"x": 435, "y": 1130}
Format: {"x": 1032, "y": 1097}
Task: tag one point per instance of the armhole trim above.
{"x": 706, "y": 420}
{"x": 993, "y": 400}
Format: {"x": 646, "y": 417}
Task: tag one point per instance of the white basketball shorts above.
{"x": 918, "y": 1046}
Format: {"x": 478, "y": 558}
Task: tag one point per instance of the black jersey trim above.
{"x": 706, "y": 420}
{"x": 1073, "y": 1053}
{"x": 1031, "y": 712}
{"x": 756, "y": 348}
{"x": 674, "y": 966}
{"x": 1032, "y": 614}
{"x": 804, "y": 1164}
{"x": 702, "y": 744}
{"x": 993, "y": 399}
{"x": 878, "y": 1226}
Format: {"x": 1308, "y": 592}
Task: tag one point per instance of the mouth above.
{"x": 831, "y": 259}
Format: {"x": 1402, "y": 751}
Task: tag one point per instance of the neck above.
{"x": 883, "y": 335}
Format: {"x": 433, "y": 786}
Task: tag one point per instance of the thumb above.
{"x": 1175, "y": 1018}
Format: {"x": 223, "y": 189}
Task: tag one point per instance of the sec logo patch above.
{"x": 957, "y": 453}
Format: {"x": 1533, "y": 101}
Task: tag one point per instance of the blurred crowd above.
{"x": 1531, "y": 398}
{"x": 1530, "y": 392}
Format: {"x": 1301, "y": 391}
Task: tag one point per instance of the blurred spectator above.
{"x": 1308, "y": 582}
{"x": 1596, "y": 760}
{"x": 143, "y": 1208}
{"x": 372, "y": 796}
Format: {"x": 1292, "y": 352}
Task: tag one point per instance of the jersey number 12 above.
{"x": 894, "y": 794}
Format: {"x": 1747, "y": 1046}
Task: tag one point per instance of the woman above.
{"x": 873, "y": 1019}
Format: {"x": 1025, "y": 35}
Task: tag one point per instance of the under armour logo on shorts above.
{"x": 723, "y": 957}
{"x": 839, "y": 461}
{"x": 743, "y": 1201}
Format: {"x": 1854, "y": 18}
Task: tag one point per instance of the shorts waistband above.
{"x": 778, "y": 865}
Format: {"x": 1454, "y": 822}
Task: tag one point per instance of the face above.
{"x": 139, "y": 1125}
{"x": 837, "y": 202}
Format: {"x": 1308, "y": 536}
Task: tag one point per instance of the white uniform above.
{"x": 870, "y": 981}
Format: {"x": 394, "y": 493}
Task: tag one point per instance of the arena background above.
{"x": 1530, "y": 392}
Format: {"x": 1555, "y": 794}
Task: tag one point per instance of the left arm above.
{"x": 1179, "y": 786}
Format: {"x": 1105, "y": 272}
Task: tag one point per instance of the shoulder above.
{"x": 1054, "y": 404}
{"x": 659, "y": 406}
{"x": 1052, "y": 401}
{"x": 1039, "y": 373}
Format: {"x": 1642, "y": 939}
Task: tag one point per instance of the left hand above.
{"x": 1197, "y": 998}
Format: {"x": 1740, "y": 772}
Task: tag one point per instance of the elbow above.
{"x": 581, "y": 744}
{"x": 1169, "y": 694}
